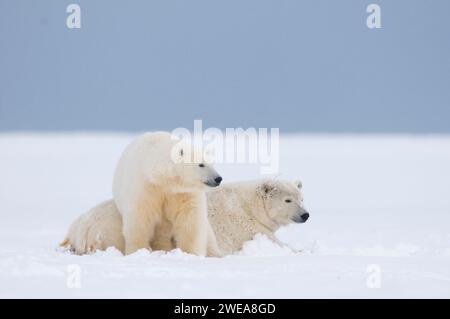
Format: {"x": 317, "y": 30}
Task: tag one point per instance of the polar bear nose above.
{"x": 218, "y": 180}
{"x": 305, "y": 217}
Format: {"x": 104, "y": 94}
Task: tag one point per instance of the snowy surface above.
{"x": 377, "y": 203}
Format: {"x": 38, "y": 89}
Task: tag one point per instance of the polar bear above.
{"x": 98, "y": 229}
{"x": 236, "y": 212}
{"x": 159, "y": 179}
{"x": 239, "y": 211}
{"x": 101, "y": 227}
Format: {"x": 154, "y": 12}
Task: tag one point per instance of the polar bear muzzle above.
{"x": 301, "y": 217}
{"x": 214, "y": 182}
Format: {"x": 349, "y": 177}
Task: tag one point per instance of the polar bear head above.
{"x": 178, "y": 165}
{"x": 194, "y": 174}
{"x": 283, "y": 201}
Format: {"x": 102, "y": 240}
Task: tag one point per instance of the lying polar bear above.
{"x": 236, "y": 211}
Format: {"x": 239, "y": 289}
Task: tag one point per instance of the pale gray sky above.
{"x": 302, "y": 66}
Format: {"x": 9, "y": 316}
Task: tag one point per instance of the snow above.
{"x": 380, "y": 217}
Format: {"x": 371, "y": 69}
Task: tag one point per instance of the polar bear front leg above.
{"x": 162, "y": 239}
{"x": 213, "y": 249}
{"x": 191, "y": 233}
{"x": 138, "y": 231}
{"x": 283, "y": 245}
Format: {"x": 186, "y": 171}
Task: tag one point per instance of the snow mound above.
{"x": 263, "y": 246}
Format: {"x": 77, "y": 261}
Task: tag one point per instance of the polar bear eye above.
{"x": 288, "y": 201}
{"x": 201, "y": 165}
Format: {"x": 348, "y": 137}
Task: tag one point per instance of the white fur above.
{"x": 236, "y": 211}
{"x": 153, "y": 185}
{"x": 239, "y": 211}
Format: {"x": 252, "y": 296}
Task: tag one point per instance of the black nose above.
{"x": 218, "y": 180}
{"x": 305, "y": 216}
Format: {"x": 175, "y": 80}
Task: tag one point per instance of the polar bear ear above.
{"x": 298, "y": 184}
{"x": 266, "y": 189}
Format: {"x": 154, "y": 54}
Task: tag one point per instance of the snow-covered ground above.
{"x": 380, "y": 217}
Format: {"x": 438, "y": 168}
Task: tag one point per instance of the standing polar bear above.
{"x": 157, "y": 181}
{"x": 236, "y": 212}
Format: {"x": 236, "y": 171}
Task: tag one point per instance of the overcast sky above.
{"x": 301, "y": 66}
